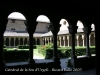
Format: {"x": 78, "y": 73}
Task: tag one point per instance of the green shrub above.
{"x": 25, "y": 46}
{"x": 65, "y": 52}
{"x": 16, "y": 55}
{"x": 4, "y": 46}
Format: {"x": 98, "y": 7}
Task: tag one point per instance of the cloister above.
{"x": 15, "y": 37}
{"x": 85, "y": 13}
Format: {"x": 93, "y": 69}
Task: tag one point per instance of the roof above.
{"x": 19, "y": 16}
{"x": 20, "y": 33}
{"x": 24, "y": 33}
{"x": 79, "y": 30}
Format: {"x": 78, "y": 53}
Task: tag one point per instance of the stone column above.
{"x": 60, "y": 40}
{"x": 54, "y": 29}
{"x": 3, "y": 22}
{"x": 90, "y": 40}
{"x": 36, "y": 40}
{"x": 73, "y": 30}
{"x": 50, "y": 39}
{"x": 23, "y": 40}
{"x": 87, "y": 31}
{"x": 9, "y": 41}
{"x": 64, "y": 40}
{"x": 14, "y": 41}
{"x": 19, "y": 40}
{"x": 45, "y": 41}
{"x": 28, "y": 41}
{"x": 30, "y": 27}
{"x": 68, "y": 39}
{"x": 83, "y": 39}
{"x": 4, "y": 41}
{"x": 77, "y": 37}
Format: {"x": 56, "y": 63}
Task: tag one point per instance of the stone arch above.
{"x": 34, "y": 41}
{"x": 21, "y": 41}
{"x": 64, "y": 24}
{"x": 12, "y": 42}
{"x": 70, "y": 43}
{"x": 7, "y": 41}
{"x": 25, "y": 41}
{"x": 62, "y": 41}
{"x": 92, "y": 40}
{"x": 16, "y": 42}
{"x": 80, "y": 24}
{"x": 80, "y": 40}
{"x": 84, "y": 40}
{"x": 38, "y": 41}
{"x": 66, "y": 41}
{"x": 75, "y": 40}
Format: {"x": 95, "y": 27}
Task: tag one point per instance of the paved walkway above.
{"x": 64, "y": 65}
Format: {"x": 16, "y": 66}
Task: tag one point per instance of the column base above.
{"x": 73, "y": 61}
{"x": 31, "y": 61}
{"x": 88, "y": 55}
{"x": 57, "y": 62}
{"x": 56, "y": 59}
{"x": 2, "y": 65}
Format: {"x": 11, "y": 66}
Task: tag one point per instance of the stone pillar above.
{"x": 35, "y": 40}
{"x": 87, "y": 31}
{"x": 41, "y": 41}
{"x": 90, "y": 40}
{"x": 50, "y": 39}
{"x": 9, "y": 41}
{"x": 83, "y": 39}
{"x": 73, "y": 30}
{"x": 19, "y": 40}
{"x": 14, "y": 41}
{"x": 64, "y": 40}
{"x": 60, "y": 40}
{"x": 28, "y": 41}
{"x": 77, "y": 37}
{"x": 4, "y": 41}
{"x": 3, "y": 22}
{"x": 68, "y": 39}
{"x": 30, "y": 27}
{"x": 54, "y": 29}
{"x": 45, "y": 41}
{"x": 23, "y": 40}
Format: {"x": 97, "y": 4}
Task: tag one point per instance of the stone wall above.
{"x": 20, "y": 26}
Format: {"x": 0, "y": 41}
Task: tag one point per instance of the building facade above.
{"x": 16, "y": 34}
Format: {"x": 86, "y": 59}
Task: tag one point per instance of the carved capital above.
{"x": 72, "y": 29}
{"x": 30, "y": 26}
{"x": 54, "y": 29}
{"x": 87, "y": 30}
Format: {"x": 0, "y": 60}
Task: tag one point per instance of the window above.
{"x": 13, "y": 21}
{"x": 64, "y": 22}
{"x": 12, "y": 28}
